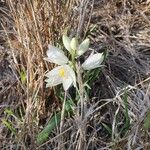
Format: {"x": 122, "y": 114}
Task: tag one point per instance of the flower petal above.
{"x": 67, "y": 83}
{"x": 93, "y": 61}
{"x": 70, "y": 77}
{"x": 66, "y": 42}
{"x": 53, "y": 77}
{"x": 56, "y": 55}
{"x": 53, "y": 81}
{"x": 71, "y": 74}
{"x": 53, "y": 72}
{"x": 83, "y": 47}
{"x": 74, "y": 43}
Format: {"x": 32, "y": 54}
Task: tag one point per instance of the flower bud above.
{"x": 66, "y": 42}
{"x": 83, "y": 47}
{"x": 93, "y": 61}
{"x": 74, "y": 43}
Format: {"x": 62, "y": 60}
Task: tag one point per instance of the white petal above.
{"x": 83, "y": 47}
{"x": 74, "y": 43}
{"x": 67, "y": 83}
{"x": 66, "y": 42}
{"x": 93, "y": 61}
{"x": 53, "y": 81}
{"x": 54, "y": 72}
{"x": 53, "y": 77}
{"x": 56, "y": 56}
{"x": 71, "y": 74}
{"x": 70, "y": 77}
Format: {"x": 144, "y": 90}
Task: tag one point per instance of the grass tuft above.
{"x": 116, "y": 113}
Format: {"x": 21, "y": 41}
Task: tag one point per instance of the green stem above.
{"x": 73, "y": 54}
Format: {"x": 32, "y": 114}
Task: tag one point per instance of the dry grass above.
{"x": 121, "y": 28}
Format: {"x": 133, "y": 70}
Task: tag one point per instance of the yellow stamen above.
{"x": 62, "y": 72}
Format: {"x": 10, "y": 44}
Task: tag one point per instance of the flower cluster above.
{"x": 64, "y": 73}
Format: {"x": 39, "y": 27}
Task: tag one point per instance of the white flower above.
{"x": 66, "y": 42}
{"x": 93, "y": 61}
{"x": 83, "y": 47}
{"x": 56, "y": 55}
{"x": 62, "y": 74}
{"x": 72, "y": 44}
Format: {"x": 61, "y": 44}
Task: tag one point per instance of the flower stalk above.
{"x": 70, "y": 73}
{"x": 81, "y": 89}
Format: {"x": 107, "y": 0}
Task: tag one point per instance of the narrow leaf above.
{"x": 147, "y": 121}
{"x": 44, "y": 134}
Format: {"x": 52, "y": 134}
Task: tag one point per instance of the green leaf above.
{"x": 23, "y": 76}
{"x": 126, "y": 126}
{"x": 92, "y": 75}
{"x": 146, "y": 125}
{"x": 9, "y": 112}
{"x": 9, "y": 125}
{"x": 44, "y": 134}
{"x": 68, "y": 106}
{"x": 107, "y": 128}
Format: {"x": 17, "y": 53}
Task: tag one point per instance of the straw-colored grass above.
{"x": 119, "y": 99}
